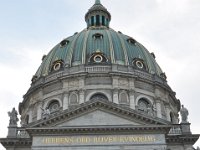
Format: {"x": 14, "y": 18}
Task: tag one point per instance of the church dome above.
{"x": 99, "y": 64}
{"x": 98, "y": 44}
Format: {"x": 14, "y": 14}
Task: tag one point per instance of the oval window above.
{"x": 57, "y": 66}
{"x": 98, "y": 58}
{"x": 139, "y": 64}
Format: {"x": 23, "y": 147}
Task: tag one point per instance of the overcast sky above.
{"x": 169, "y": 28}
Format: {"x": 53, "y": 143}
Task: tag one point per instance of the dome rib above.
{"x": 112, "y": 53}
{"x": 124, "y": 49}
{"x": 85, "y": 47}
{"x": 70, "y": 52}
{"x": 113, "y": 45}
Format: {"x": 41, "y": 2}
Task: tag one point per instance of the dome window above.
{"x": 64, "y": 42}
{"x": 99, "y": 96}
{"x": 43, "y": 57}
{"x": 34, "y": 78}
{"x": 139, "y": 63}
{"x": 132, "y": 41}
{"x": 98, "y": 36}
{"x": 97, "y": 58}
{"x": 153, "y": 55}
{"x": 163, "y": 75}
{"x": 57, "y": 65}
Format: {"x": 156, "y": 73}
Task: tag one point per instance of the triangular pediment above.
{"x": 95, "y": 113}
{"x": 97, "y": 118}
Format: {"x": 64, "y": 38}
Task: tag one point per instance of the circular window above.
{"x": 98, "y": 58}
{"x": 139, "y": 64}
{"x": 57, "y": 66}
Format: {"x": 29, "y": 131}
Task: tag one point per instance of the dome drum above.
{"x": 119, "y": 85}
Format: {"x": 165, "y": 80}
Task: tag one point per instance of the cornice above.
{"x": 93, "y": 130}
{"x": 16, "y": 142}
{"x": 183, "y": 139}
{"x": 90, "y": 106}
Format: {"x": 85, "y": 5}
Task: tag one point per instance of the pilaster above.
{"x": 66, "y": 101}
{"x": 30, "y": 119}
{"x": 81, "y": 96}
{"x": 132, "y": 99}
{"x": 116, "y": 96}
{"x": 168, "y": 112}
{"x": 39, "y": 111}
{"x": 158, "y": 108}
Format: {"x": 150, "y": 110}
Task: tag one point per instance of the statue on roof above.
{"x": 184, "y": 114}
{"x": 13, "y": 117}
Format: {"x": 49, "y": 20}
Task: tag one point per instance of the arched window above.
{"x": 123, "y": 98}
{"x": 54, "y": 106}
{"x": 73, "y": 99}
{"x": 92, "y": 21}
{"x": 97, "y": 20}
{"x": 99, "y": 96}
{"x": 103, "y": 20}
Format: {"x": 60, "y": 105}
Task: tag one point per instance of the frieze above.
{"x": 99, "y": 140}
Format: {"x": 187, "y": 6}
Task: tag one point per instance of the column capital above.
{"x": 132, "y": 91}
{"x": 116, "y": 90}
{"x": 158, "y": 99}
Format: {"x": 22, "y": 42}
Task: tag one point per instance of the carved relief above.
{"x": 123, "y": 82}
{"x": 144, "y": 86}
{"x": 74, "y": 83}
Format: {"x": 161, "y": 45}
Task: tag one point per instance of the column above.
{"x": 81, "y": 96}
{"x": 158, "y": 108}
{"x": 132, "y": 99}
{"x": 65, "y": 101}
{"x": 95, "y": 20}
{"x": 39, "y": 111}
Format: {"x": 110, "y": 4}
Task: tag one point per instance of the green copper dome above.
{"x": 98, "y": 45}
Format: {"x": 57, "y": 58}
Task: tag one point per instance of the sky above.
{"x": 169, "y": 28}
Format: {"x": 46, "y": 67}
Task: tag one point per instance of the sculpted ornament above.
{"x": 45, "y": 113}
{"x": 13, "y": 117}
{"x": 184, "y": 114}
